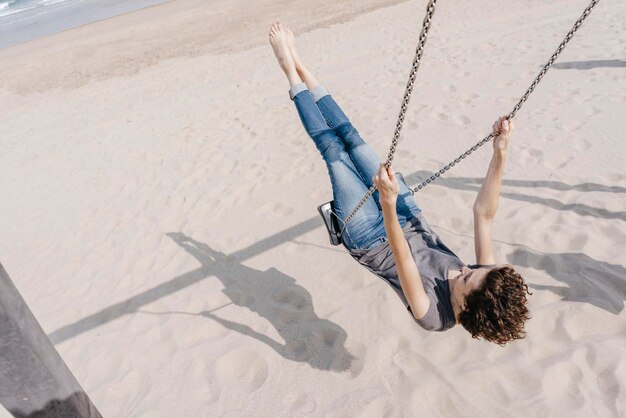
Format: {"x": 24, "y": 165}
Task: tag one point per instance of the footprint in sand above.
{"x": 298, "y": 402}
{"x": 346, "y": 281}
{"x": 244, "y": 367}
{"x": 298, "y": 169}
{"x": 253, "y": 171}
{"x": 562, "y": 379}
{"x": 468, "y": 98}
{"x": 556, "y": 164}
{"x": 319, "y": 194}
{"x": 592, "y": 111}
{"x": 405, "y": 154}
{"x": 461, "y": 120}
{"x": 456, "y": 223}
{"x": 275, "y": 209}
{"x": 435, "y": 192}
{"x": 578, "y": 242}
{"x": 296, "y": 249}
{"x": 439, "y": 115}
{"x": 530, "y": 155}
{"x": 581, "y": 144}
{"x": 569, "y": 127}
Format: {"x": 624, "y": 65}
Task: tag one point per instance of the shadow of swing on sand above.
{"x": 276, "y": 297}
{"x": 271, "y": 294}
{"x": 331, "y": 334}
{"x": 591, "y": 64}
{"x": 474, "y": 183}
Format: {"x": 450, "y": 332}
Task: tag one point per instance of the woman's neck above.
{"x": 452, "y": 280}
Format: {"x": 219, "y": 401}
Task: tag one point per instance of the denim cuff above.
{"x": 295, "y": 89}
{"x": 318, "y": 92}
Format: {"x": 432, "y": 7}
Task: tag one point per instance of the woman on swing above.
{"x": 389, "y": 234}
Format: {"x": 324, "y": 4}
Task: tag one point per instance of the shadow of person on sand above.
{"x": 586, "y": 280}
{"x": 276, "y": 297}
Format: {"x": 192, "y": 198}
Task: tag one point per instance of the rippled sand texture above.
{"x": 159, "y": 194}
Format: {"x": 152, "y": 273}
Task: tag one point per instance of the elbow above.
{"x": 484, "y": 212}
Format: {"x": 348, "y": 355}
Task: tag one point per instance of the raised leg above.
{"x": 362, "y": 155}
{"x": 366, "y": 228}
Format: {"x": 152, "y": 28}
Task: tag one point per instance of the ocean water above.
{"x": 24, "y": 20}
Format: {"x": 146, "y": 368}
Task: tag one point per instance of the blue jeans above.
{"x": 352, "y": 165}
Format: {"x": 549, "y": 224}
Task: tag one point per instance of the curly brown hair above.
{"x": 496, "y": 311}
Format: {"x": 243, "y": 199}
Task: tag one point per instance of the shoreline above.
{"x": 163, "y": 31}
{"x": 29, "y": 27}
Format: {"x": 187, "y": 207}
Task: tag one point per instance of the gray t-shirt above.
{"x": 433, "y": 259}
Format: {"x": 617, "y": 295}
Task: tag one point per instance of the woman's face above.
{"x": 470, "y": 280}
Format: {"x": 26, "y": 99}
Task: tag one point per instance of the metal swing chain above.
{"x": 510, "y": 116}
{"x": 430, "y": 11}
{"x": 521, "y": 101}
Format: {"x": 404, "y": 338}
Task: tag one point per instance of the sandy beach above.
{"x": 159, "y": 197}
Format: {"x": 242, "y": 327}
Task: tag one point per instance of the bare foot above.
{"x": 279, "y": 41}
{"x": 291, "y": 41}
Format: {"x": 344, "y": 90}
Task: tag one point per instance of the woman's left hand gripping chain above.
{"x": 387, "y": 184}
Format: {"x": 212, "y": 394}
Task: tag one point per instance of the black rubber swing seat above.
{"x": 327, "y": 210}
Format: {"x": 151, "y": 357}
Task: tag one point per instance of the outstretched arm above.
{"x": 486, "y": 202}
{"x": 410, "y": 279}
